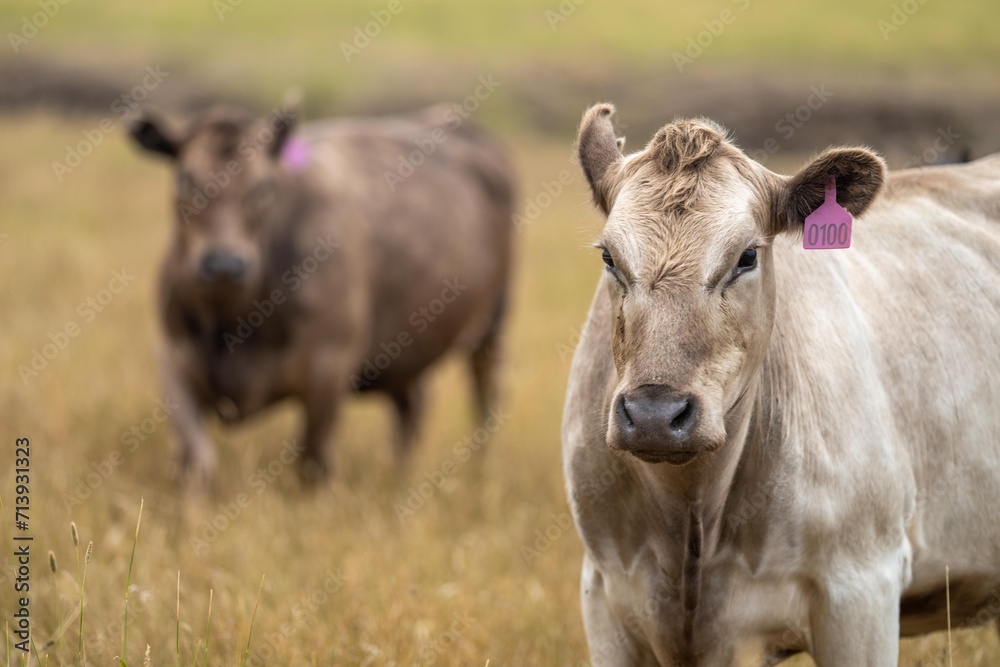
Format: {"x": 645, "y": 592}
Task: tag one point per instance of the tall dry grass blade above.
{"x": 947, "y": 598}
{"x": 177, "y": 624}
{"x": 128, "y": 584}
{"x": 53, "y": 565}
{"x": 208, "y": 625}
{"x": 82, "y": 651}
{"x": 34, "y": 648}
{"x": 246, "y": 653}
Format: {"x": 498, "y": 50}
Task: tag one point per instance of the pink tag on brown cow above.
{"x": 295, "y": 154}
{"x": 829, "y": 226}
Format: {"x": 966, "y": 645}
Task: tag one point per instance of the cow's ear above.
{"x": 154, "y": 134}
{"x": 859, "y": 174}
{"x": 288, "y": 118}
{"x": 600, "y": 152}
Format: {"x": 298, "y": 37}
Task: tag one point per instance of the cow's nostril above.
{"x": 622, "y": 410}
{"x": 684, "y": 418}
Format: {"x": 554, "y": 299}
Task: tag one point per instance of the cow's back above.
{"x": 436, "y": 199}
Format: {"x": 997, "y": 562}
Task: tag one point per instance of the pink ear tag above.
{"x": 296, "y": 154}
{"x": 829, "y": 226}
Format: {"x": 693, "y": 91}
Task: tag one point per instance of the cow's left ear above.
{"x": 859, "y": 173}
{"x": 288, "y": 118}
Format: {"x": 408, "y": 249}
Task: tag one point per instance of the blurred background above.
{"x": 483, "y": 568}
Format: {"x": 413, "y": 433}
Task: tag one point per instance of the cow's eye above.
{"x": 606, "y": 256}
{"x": 748, "y": 260}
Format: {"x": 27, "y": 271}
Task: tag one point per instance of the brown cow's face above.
{"x": 687, "y": 252}
{"x": 227, "y": 187}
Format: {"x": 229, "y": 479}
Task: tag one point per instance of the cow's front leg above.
{"x": 322, "y": 406}
{"x": 857, "y": 618}
{"x": 609, "y": 640}
{"x": 196, "y": 457}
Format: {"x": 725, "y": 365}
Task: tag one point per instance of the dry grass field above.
{"x": 450, "y": 562}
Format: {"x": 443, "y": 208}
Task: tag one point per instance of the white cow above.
{"x": 771, "y": 450}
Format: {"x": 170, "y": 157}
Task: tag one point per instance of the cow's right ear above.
{"x": 600, "y": 152}
{"x": 154, "y": 134}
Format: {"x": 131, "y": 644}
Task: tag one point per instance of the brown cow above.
{"x": 772, "y": 450}
{"x": 348, "y": 256}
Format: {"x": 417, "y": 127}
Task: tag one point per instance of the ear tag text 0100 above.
{"x": 829, "y": 226}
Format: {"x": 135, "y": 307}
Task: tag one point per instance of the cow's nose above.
{"x": 222, "y": 265}
{"x": 655, "y": 421}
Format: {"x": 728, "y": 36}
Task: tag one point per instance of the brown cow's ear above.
{"x": 600, "y": 152}
{"x": 154, "y": 134}
{"x": 859, "y": 173}
{"x": 288, "y": 118}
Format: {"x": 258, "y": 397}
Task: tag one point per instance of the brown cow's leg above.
{"x": 485, "y": 363}
{"x": 322, "y": 408}
{"x": 409, "y": 405}
{"x": 196, "y": 458}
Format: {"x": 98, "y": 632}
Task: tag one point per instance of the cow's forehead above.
{"x": 219, "y": 134}
{"x": 652, "y": 220}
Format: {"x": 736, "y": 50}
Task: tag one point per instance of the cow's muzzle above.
{"x": 656, "y": 424}
{"x": 223, "y": 266}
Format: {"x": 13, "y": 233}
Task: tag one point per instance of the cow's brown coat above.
{"x": 355, "y": 251}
